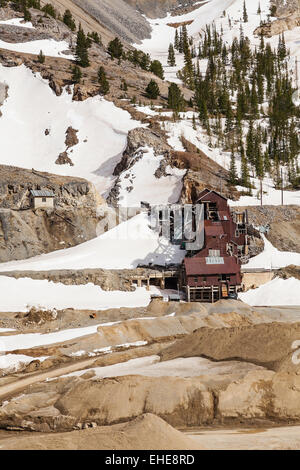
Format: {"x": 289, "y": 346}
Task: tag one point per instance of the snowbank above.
{"x": 50, "y": 47}
{"x": 51, "y": 295}
{"x": 18, "y": 22}
{"x": 32, "y": 340}
{"x": 124, "y": 247}
{"x": 275, "y": 293}
{"x": 150, "y": 366}
{"x": 271, "y": 258}
{"x": 13, "y": 362}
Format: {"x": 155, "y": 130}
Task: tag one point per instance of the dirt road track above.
{"x": 21, "y": 383}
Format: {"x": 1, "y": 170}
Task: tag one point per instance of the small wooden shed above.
{"x": 42, "y": 199}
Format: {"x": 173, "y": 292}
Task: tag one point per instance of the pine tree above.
{"x": 282, "y": 52}
{"x": 185, "y": 39}
{"x": 49, "y": 10}
{"x": 254, "y": 102}
{"x": 41, "y": 57}
{"x": 259, "y": 9}
{"x": 267, "y": 163}
{"x": 76, "y": 74}
{"x": 103, "y": 82}
{"x": 82, "y": 57}
{"x": 259, "y": 161}
{"x": 175, "y": 98}
{"x": 176, "y": 40}
{"x": 233, "y": 178}
{"x": 27, "y": 14}
{"x": 69, "y": 20}
{"x": 194, "y": 123}
{"x": 95, "y": 37}
{"x": 245, "y": 13}
{"x": 229, "y": 117}
{"x": 171, "y": 56}
{"x": 152, "y": 90}
{"x": 123, "y": 85}
{"x": 250, "y": 151}
{"x": 245, "y": 177}
{"x": 115, "y": 49}
{"x": 188, "y": 70}
{"x": 157, "y": 68}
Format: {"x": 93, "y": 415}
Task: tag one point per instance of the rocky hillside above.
{"x": 288, "y": 18}
{"x": 284, "y": 223}
{"x": 124, "y": 18}
{"x": 26, "y": 232}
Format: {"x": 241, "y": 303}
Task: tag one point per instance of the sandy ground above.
{"x": 282, "y": 438}
{"x": 145, "y": 432}
{"x": 133, "y": 435}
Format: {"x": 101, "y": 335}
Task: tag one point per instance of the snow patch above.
{"x": 285, "y": 292}
{"x": 124, "y": 247}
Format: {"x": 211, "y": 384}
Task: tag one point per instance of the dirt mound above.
{"x": 289, "y": 271}
{"x": 38, "y": 316}
{"x": 268, "y": 345}
{"x": 72, "y": 403}
{"x": 145, "y": 432}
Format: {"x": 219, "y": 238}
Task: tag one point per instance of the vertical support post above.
{"x": 188, "y": 294}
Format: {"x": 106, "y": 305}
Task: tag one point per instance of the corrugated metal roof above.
{"x": 214, "y": 230}
{"x": 206, "y": 192}
{"x": 198, "y": 266}
{"x": 42, "y": 193}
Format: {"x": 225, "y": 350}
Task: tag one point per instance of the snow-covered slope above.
{"x": 49, "y": 47}
{"x": 275, "y": 293}
{"x": 125, "y": 246}
{"x": 212, "y": 11}
{"x": 31, "y": 107}
{"x": 52, "y": 295}
{"x": 139, "y": 182}
{"x": 162, "y": 34}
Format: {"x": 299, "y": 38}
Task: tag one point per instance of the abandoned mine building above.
{"x": 215, "y": 271}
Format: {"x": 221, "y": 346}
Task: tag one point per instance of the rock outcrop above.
{"x": 268, "y": 345}
{"x": 279, "y": 26}
{"x": 288, "y": 18}
{"x": 26, "y": 232}
{"x": 283, "y": 222}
